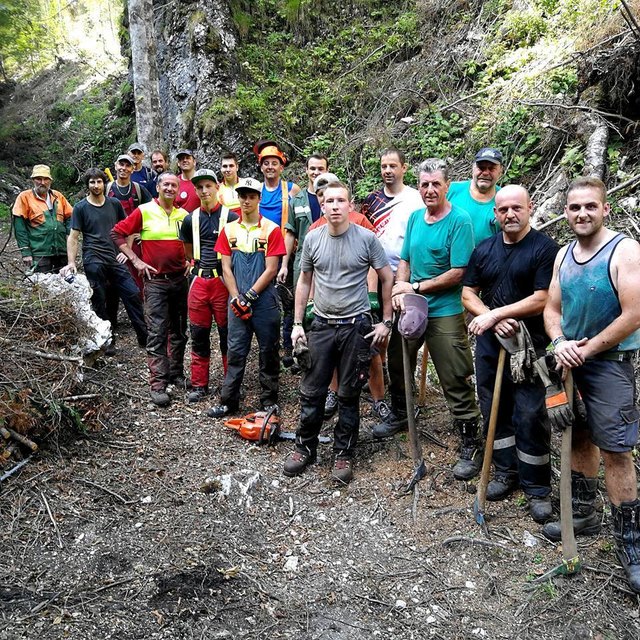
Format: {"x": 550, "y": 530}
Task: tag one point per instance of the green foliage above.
{"x": 573, "y": 160}
{"x": 563, "y": 80}
{"x": 522, "y": 28}
{"x": 5, "y": 211}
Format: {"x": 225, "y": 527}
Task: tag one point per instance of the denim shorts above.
{"x": 608, "y": 391}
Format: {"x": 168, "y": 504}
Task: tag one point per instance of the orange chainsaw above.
{"x": 263, "y": 427}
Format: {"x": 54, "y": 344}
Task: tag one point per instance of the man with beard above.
{"x": 593, "y": 319}
{"x": 41, "y": 218}
{"x": 160, "y": 164}
{"x": 94, "y": 217}
{"x": 164, "y": 268}
{"x": 478, "y": 195}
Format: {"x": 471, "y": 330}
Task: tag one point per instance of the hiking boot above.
{"x": 502, "y": 485}
{"x": 110, "y": 349}
{"x": 342, "y": 470}
{"x": 626, "y": 522}
{"x": 197, "y": 394}
{"x": 540, "y": 509}
{"x": 297, "y": 462}
{"x": 330, "y": 404}
{"x": 142, "y": 340}
{"x": 382, "y": 410}
{"x": 586, "y": 519}
{"x": 394, "y": 423}
{"x": 220, "y": 411}
{"x": 470, "y": 460}
{"x": 160, "y": 398}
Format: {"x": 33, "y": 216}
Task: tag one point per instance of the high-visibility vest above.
{"x": 157, "y": 225}
{"x": 195, "y": 226}
{"x": 232, "y": 235}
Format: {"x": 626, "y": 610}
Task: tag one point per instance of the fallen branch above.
{"x": 109, "y": 491}
{"x": 576, "y": 107}
{"x": 42, "y": 354}
{"x": 475, "y": 542}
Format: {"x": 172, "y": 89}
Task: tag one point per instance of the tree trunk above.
{"x": 145, "y": 73}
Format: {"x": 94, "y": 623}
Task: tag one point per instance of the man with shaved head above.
{"x": 505, "y": 287}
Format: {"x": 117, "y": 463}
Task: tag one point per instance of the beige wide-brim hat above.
{"x": 41, "y": 171}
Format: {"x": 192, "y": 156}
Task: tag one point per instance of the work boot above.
{"x": 586, "y": 520}
{"x": 220, "y": 411}
{"x": 160, "y": 398}
{"x": 470, "y": 460}
{"x": 342, "y": 470}
{"x": 626, "y": 525}
{"x": 197, "y": 394}
{"x": 297, "y": 462}
{"x": 382, "y": 410}
{"x": 540, "y": 509}
{"x": 110, "y": 349}
{"x": 502, "y": 485}
{"x": 395, "y": 422}
{"x": 330, "y": 405}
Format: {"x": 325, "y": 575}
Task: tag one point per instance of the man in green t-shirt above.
{"x": 478, "y": 195}
{"x": 437, "y": 245}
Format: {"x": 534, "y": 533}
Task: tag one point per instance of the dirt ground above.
{"x": 163, "y": 523}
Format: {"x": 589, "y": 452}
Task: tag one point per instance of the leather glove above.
{"x": 241, "y": 307}
{"x": 302, "y": 355}
{"x": 558, "y": 409}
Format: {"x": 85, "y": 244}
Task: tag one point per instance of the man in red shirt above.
{"x": 251, "y": 248}
{"x": 164, "y": 267}
{"x": 186, "y": 197}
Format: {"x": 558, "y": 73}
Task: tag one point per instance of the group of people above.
{"x": 193, "y": 246}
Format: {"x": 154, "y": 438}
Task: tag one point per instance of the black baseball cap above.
{"x": 489, "y": 154}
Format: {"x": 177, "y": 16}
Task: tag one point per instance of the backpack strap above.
{"x": 285, "y": 206}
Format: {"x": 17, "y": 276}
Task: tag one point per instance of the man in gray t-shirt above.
{"x": 338, "y": 257}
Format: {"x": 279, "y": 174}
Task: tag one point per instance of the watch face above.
{"x": 416, "y": 286}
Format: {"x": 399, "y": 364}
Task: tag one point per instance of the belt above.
{"x": 615, "y": 356}
{"x": 167, "y": 276}
{"x": 351, "y": 320}
{"x": 205, "y": 273}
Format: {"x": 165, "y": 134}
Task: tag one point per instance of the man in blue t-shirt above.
{"x": 437, "y": 245}
{"x": 274, "y": 203}
{"x": 477, "y": 196}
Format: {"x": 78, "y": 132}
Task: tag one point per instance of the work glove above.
{"x": 241, "y": 307}
{"x": 302, "y": 355}
{"x": 559, "y": 410}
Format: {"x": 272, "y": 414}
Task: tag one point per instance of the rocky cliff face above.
{"x": 196, "y": 58}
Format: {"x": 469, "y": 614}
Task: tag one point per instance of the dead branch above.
{"x": 41, "y": 354}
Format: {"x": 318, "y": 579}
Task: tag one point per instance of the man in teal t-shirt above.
{"x": 478, "y": 195}
{"x": 437, "y": 246}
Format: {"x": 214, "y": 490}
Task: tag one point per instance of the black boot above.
{"x": 395, "y": 421}
{"x": 626, "y": 530}
{"x": 470, "y": 459}
{"x": 586, "y": 520}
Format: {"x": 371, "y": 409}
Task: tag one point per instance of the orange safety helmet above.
{"x": 268, "y": 148}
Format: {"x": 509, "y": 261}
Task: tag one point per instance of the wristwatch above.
{"x": 416, "y": 287}
{"x": 388, "y": 324}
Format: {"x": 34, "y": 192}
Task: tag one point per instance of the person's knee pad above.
{"x": 200, "y": 343}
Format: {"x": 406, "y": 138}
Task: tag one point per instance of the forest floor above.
{"x": 162, "y": 523}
